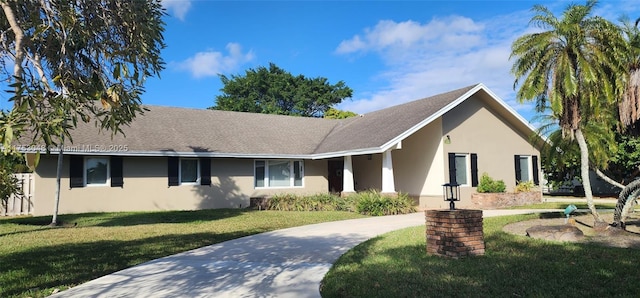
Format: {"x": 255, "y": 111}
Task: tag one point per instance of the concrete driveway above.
{"x": 282, "y": 263}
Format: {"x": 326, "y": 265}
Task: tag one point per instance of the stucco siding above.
{"x": 146, "y": 187}
{"x": 418, "y": 168}
{"x": 367, "y": 172}
{"x": 474, "y": 127}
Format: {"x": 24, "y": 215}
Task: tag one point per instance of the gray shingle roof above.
{"x": 182, "y": 131}
{"x": 377, "y": 128}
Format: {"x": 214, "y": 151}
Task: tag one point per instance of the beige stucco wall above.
{"x": 418, "y": 168}
{"x": 474, "y": 127}
{"x": 145, "y": 187}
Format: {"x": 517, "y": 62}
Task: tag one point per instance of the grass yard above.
{"x": 396, "y": 265}
{"x": 562, "y": 205}
{"x": 35, "y": 259}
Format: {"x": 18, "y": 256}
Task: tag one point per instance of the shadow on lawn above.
{"x": 130, "y": 218}
{"x": 513, "y": 266}
{"x": 66, "y": 265}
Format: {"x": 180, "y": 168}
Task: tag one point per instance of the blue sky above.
{"x": 388, "y": 52}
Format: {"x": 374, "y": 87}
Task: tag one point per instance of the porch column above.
{"x": 388, "y": 183}
{"x": 347, "y": 176}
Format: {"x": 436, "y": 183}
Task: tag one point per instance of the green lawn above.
{"x": 396, "y": 265}
{"x": 562, "y": 205}
{"x": 35, "y": 259}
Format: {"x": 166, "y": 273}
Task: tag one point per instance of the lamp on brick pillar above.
{"x": 451, "y": 194}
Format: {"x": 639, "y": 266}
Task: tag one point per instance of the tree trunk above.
{"x": 626, "y": 200}
{"x": 584, "y": 172}
{"x": 54, "y": 219}
{"x": 608, "y": 179}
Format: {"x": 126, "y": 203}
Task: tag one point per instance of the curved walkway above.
{"x": 283, "y": 263}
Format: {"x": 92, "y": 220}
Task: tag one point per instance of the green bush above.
{"x": 367, "y": 203}
{"x": 487, "y": 184}
{"x": 524, "y": 186}
{"x": 376, "y": 204}
{"x": 317, "y": 202}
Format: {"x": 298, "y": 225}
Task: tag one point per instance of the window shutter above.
{"x": 452, "y": 168}
{"x": 116, "y": 171}
{"x": 205, "y": 171}
{"x": 474, "y": 169}
{"x": 534, "y": 161}
{"x": 172, "y": 172}
{"x": 516, "y": 160}
{"x": 76, "y": 167}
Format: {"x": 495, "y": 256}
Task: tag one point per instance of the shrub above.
{"x": 487, "y": 184}
{"x": 367, "y": 203}
{"x": 524, "y": 186}
{"x": 375, "y": 204}
{"x": 317, "y": 202}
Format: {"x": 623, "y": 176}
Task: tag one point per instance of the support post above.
{"x": 388, "y": 182}
{"x": 348, "y": 186}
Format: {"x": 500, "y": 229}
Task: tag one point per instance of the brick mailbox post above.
{"x": 454, "y": 233}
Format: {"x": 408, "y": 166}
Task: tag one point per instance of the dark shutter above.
{"x": 172, "y": 172}
{"x": 205, "y": 171}
{"x": 516, "y": 160}
{"x": 452, "y": 168}
{"x": 474, "y": 169}
{"x": 76, "y": 168}
{"x": 534, "y": 161}
{"x": 116, "y": 171}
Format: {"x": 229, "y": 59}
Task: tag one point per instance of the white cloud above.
{"x": 179, "y": 8}
{"x": 392, "y": 36}
{"x": 212, "y": 63}
{"x": 441, "y": 55}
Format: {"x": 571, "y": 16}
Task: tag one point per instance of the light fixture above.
{"x": 451, "y": 194}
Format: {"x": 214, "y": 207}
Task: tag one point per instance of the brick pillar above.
{"x": 455, "y": 233}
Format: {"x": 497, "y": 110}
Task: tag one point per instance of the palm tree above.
{"x": 572, "y": 68}
{"x": 629, "y": 105}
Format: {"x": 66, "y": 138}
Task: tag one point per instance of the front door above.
{"x": 335, "y": 175}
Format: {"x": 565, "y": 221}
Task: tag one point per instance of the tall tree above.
{"x": 572, "y": 65}
{"x": 81, "y": 60}
{"x": 629, "y": 105}
{"x": 275, "y": 91}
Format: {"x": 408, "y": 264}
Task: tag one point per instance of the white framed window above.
{"x": 189, "y": 171}
{"x": 526, "y": 168}
{"x": 278, "y": 173}
{"x": 96, "y": 171}
{"x": 462, "y": 169}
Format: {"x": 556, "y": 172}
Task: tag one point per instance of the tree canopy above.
{"x": 70, "y": 61}
{"x": 273, "y": 90}
{"x": 333, "y": 113}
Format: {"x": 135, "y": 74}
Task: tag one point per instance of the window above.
{"x": 95, "y": 171}
{"x": 189, "y": 171}
{"x": 526, "y": 168}
{"x": 463, "y": 168}
{"x": 278, "y": 173}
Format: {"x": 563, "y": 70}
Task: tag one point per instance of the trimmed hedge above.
{"x": 368, "y": 203}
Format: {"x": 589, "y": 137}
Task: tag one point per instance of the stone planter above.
{"x": 505, "y": 199}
